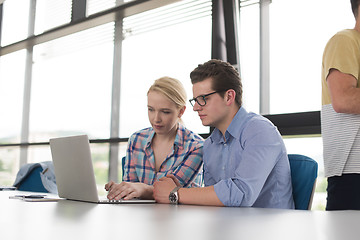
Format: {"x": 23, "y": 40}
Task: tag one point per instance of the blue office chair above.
{"x": 303, "y": 178}
{"x": 36, "y": 177}
{"x": 122, "y": 168}
{"x": 32, "y": 182}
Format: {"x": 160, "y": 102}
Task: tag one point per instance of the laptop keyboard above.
{"x": 105, "y": 200}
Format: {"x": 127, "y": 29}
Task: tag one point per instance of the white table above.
{"x": 78, "y": 220}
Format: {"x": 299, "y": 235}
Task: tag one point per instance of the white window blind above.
{"x": 177, "y": 13}
{"x": 51, "y": 14}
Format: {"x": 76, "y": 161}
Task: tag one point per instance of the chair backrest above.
{"x": 32, "y": 181}
{"x": 122, "y": 168}
{"x": 303, "y": 177}
{"x": 36, "y": 177}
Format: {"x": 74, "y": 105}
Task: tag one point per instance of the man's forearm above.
{"x": 199, "y": 196}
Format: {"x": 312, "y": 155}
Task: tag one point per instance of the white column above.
{"x": 264, "y": 57}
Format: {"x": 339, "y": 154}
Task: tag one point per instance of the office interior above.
{"x": 75, "y": 67}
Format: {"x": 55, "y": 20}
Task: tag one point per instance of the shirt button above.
{"x": 223, "y": 168}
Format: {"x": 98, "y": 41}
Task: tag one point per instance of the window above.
{"x": 71, "y": 90}
{"x": 95, "y": 6}
{"x": 170, "y": 41}
{"x": 15, "y": 21}
{"x": 51, "y": 14}
{"x": 9, "y": 165}
{"x": 12, "y": 71}
{"x": 249, "y": 56}
{"x": 299, "y": 32}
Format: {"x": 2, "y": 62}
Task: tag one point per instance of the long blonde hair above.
{"x": 172, "y": 89}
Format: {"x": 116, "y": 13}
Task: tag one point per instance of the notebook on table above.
{"x": 74, "y": 171}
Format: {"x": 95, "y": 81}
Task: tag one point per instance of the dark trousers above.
{"x": 343, "y": 192}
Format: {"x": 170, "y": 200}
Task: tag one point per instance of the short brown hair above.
{"x": 355, "y": 7}
{"x": 224, "y": 77}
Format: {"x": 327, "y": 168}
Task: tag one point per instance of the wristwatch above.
{"x": 173, "y": 196}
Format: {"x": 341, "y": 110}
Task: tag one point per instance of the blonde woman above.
{"x": 167, "y": 147}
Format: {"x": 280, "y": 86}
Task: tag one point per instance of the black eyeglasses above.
{"x": 201, "y": 99}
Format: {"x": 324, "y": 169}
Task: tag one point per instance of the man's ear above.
{"x": 230, "y": 97}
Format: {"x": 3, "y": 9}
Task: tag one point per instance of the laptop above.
{"x": 75, "y": 178}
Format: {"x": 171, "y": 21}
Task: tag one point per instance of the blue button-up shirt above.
{"x": 249, "y": 166}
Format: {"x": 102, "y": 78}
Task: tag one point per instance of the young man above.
{"x": 340, "y": 116}
{"x": 245, "y": 160}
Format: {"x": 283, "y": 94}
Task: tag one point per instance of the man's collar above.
{"x": 233, "y": 129}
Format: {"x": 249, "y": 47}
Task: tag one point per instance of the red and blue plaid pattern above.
{"x": 185, "y": 160}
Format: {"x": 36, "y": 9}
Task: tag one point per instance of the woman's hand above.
{"x": 128, "y": 190}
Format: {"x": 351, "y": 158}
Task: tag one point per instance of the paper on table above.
{"x": 41, "y": 199}
{"x": 7, "y": 188}
{"x": 35, "y": 198}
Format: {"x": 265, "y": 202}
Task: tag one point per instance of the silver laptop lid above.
{"x": 74, "y": 171}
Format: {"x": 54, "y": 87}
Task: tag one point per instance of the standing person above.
{"x": 340, "y": 119}
{"x": 167, "y": 147}
{"x": 245, "y": 160}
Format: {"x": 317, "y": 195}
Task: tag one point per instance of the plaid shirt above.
{"x": 184, "y": 161}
